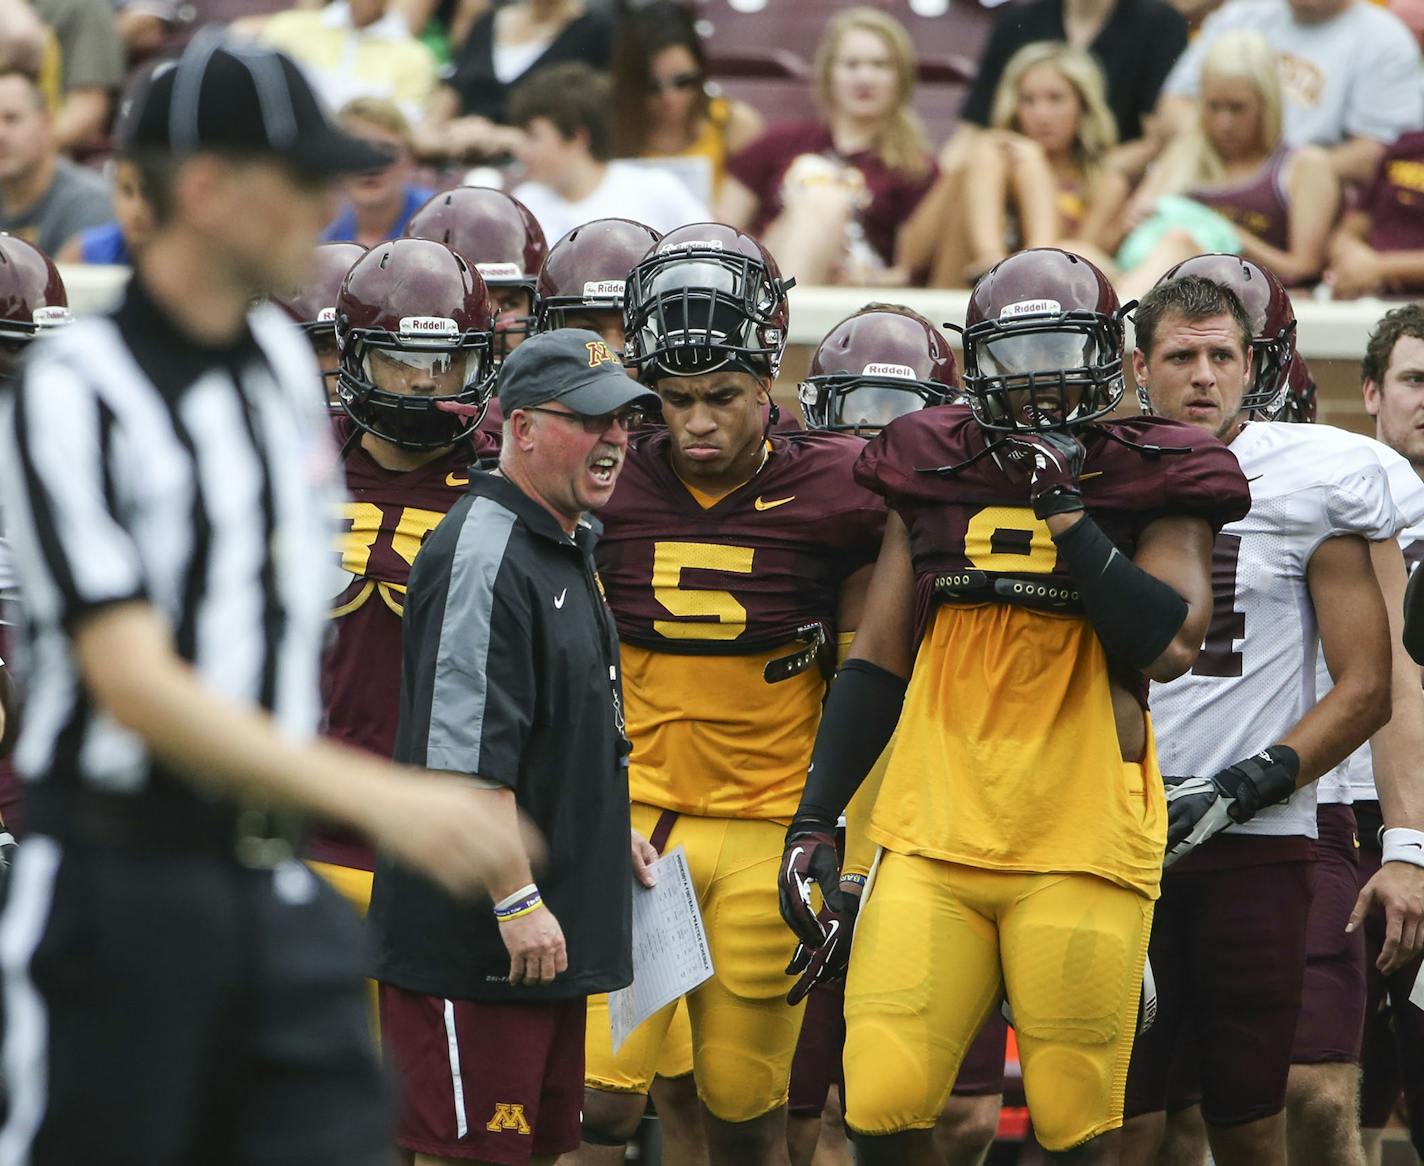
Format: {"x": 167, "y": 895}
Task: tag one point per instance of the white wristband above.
{"x": 509, "y": 900}
{"x": 1400, "y": 844}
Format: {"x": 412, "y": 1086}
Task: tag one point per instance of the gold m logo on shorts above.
{"x": 508, "y": 1117}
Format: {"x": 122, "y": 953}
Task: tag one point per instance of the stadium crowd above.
{"x": 1105, "y": 714}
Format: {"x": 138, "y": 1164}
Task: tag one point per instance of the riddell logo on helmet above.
{"x": 54, "y": 316}
{"x": 1031, "y": 308}
{"x": 611, "y": 288}
{"x": 691, "y": 245}
{"x": 326, "y": 316}
{"x": 428, "y": 326}
{"x": 888, "y": 370}
{"x": 498, "y": 270}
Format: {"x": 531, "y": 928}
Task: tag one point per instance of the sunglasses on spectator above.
{"x": 629, "y": 419}
{"x": 676, "y": 81}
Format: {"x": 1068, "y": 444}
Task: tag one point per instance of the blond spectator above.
{"x": 356, "y": 48}
{"x": 830, "y": 198}
{"x": 1278, "y": 203}
{"x": 661, "y": 106}
{"x": 1037, "y": 177}
{"x": 378, "y": 203}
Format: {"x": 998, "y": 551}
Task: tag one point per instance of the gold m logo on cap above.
{"x": 600, "y": 353}
{"x": 508, "y": 1117}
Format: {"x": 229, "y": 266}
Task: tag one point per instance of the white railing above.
{"x": 1327, "y": 330}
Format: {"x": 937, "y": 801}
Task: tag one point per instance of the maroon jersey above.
{"x": 748, "y": 573}
{"x": 386, "y": 520}
{"x": 973, "y": 534}
{"x": 1259, "y": 204}
{"x": 1394, "y": 200}
{"x": 890, "y": 196}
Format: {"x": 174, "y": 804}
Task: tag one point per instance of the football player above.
{"x": 1040, "y": 564}
{"x": 1242, "y": 732}
{"x": 583, "y": 281}
{"x": 414, "y": 324}
{"x": 727, "y": 551}
{"x": 884, "y": 361}
{"x": 1392, "y": 373}
{"x": 33, "y": 300}
{"x": 313, "y": 306}
{"x": 502, "y": 239}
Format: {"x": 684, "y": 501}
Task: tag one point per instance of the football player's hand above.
{"x": 535, "y": 943}
{"x": 1199, "y": 807}
{"x": 1050, "y": 460}
{"x": 826, "y": 964}
{"x": 644, "y": 855}
{"x": 1398, "y": 889}
{"x": 810, "y": 857}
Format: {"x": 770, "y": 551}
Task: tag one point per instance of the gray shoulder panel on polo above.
{"x": 457, "y": 702}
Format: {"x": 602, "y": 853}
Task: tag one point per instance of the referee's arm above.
{"x": 53, "y": 458}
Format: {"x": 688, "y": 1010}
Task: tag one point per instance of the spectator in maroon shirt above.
{"x": 831, "y": 198}
{"x": 1379, "y": 248}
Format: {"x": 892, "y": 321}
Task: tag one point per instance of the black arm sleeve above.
{"x": 1414, "y": 617}
{"x": 861, "y": 713}
{"x": 1135, "y": 614}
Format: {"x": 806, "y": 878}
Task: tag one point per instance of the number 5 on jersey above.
{"x": 701, "y": 614}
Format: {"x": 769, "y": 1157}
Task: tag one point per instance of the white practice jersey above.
{"x": 1353, "y": 780}
{"x": 1255, "y": 676}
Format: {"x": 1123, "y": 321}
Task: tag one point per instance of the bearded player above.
{"x": 1392, "y": 1057}
{"x": 1040, "y": 565}
{"x": 414, "y": 323}
{"x": 727, "y": 553}
{"x": 1243, "y": 732}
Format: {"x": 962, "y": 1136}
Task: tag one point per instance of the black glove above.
{"x": 1052, "y": 460}
{"x": 1198, "y": 807}
{"x": 827, "y": 963}
{"x": 810, "y": 857}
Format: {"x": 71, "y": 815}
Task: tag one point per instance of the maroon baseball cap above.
{"x": 239, "y": 97}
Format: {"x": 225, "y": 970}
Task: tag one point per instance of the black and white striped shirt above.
{"x": 137, "y": 464}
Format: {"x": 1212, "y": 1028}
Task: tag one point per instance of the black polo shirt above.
{"x": 510, "y": 672}
{"x": 1136, "y": 47}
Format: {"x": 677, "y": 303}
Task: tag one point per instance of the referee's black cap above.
{"x": 238, "y": 97}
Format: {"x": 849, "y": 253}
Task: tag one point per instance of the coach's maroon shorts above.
{"x": 1332, "y": 1005}
{"x": 982, "y": 1072}
{"x": 1228, "y": 956}
{"x": 817, "y": 1065}
{"x": 494, "y": 1082}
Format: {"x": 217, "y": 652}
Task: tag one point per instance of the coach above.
{"x": 510, "y": 677}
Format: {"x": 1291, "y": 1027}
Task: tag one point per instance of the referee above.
{"x": 178, "y": 989}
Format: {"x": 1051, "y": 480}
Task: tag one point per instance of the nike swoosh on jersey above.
{"x": 453, "y": 479}
{"x": 763, "y": 504}
{"x": 559, "y": 598}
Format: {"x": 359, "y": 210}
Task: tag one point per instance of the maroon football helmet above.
{"x": 418, "y": 304}
{"x": 587, "y": 270}
{"x": 1300, "y": 403}
{"x": 872, "y": 367}
{"x": 1043, "y": 322}
{"x": 706, "y": 296}
{"x": 495, "y": 233}
{"x": 313, "y": 306}
{"x": 1272, "y": 317}
{"x": 32, "y": 295}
